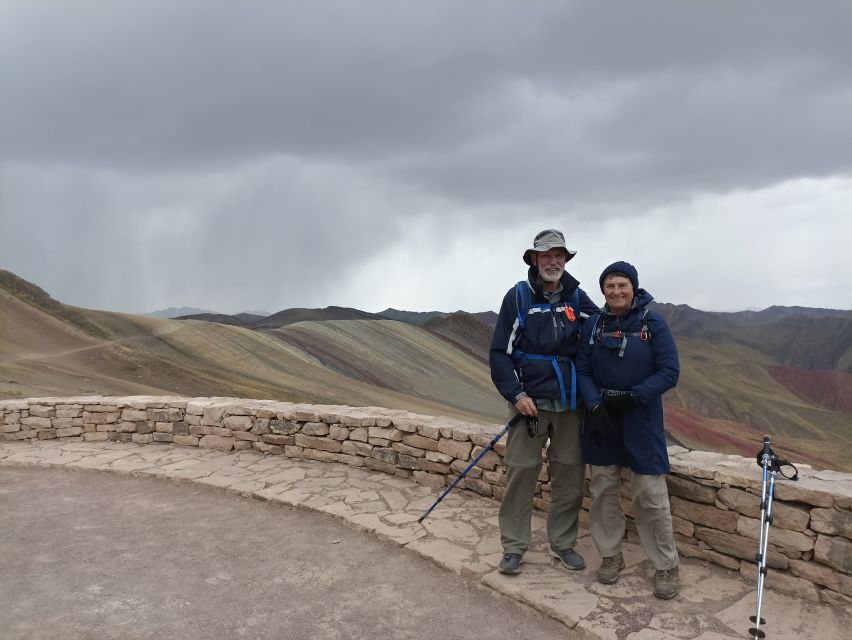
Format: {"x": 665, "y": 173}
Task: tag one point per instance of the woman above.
{"x": 627, "y": 360}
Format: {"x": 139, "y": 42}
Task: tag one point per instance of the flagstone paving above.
{"x": 462, "y": 535}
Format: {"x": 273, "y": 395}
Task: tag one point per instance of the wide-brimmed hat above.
{"x": 547, "y": 240}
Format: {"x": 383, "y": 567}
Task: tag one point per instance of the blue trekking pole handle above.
{"x": 490, "y": 446}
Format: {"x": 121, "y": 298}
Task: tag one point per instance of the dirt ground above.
{"x": 86, "y": 554}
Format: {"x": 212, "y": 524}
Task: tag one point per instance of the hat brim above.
{"x": 571, "y": 253}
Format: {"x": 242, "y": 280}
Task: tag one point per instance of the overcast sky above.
{"x": 270, "y": 154}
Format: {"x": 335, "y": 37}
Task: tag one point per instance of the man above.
{"x": 532, "y": 366}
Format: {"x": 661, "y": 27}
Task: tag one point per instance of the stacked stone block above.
{"x": 715, "y": 498}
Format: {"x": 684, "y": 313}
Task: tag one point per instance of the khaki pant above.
{"x": 523, "y": 464}
{"x": 652, "y": 513}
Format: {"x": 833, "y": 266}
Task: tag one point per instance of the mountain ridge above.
{"x": 729, "y": 394}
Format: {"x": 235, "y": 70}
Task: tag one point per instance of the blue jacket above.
{"x": 548, "y": 331}
{"x": 648, "y": 368}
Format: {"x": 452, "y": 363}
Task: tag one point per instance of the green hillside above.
{"x": 399, "y": 357}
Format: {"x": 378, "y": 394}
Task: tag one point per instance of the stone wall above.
{"x": 715, "y": 498}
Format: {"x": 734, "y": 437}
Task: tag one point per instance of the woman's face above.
{"x": 618, "y": 292}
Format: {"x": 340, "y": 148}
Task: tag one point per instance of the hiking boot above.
{"x": 608, "y": 571}
{"x": 569, "y": 559}
{"x": 666, "y": 584}
{"x": 511, "y": 563}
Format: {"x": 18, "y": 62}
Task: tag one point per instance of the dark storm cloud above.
{"x": 232, "y": 155}
{"x": 278, "y": 232}
{"x": 188, "y": 83}
{"x": 205, "y": 82}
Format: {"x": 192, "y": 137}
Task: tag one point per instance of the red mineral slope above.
{"x": 695, "y": 431}
{"x": 825, "y": 387}
{"x": 726, "y": 436}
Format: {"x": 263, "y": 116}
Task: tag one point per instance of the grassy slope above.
{"x": 400, "y": 357}
{"x": 827, "y": 388}
{"x": 42, "y": 356}
{"x": 464, "y": 331}
{"x": 292, "y": 316}
{"x": 40, "y": 299}
{"x": 802, "y": 342}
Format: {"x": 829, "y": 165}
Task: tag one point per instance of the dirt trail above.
{"x": 100, "y": 345}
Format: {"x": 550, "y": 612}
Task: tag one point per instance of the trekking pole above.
{"x": 765, "y": 520}
{"x": 490, "y": 446}
{"x": 771, "y": 465}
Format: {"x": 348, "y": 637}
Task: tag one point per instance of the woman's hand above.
{"x": 602, "y": 428}
{"x": 619, "y": 400}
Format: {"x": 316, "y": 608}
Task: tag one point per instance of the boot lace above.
{"x": 666, "y": 575}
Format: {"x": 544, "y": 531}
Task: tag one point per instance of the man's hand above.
{"x": 526, "y": 406}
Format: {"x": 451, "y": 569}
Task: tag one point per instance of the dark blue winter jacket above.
{"x": 649, "y": 367}
{"x": 526, "y": 352}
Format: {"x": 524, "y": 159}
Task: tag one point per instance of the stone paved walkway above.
{"x": 462, "y": 535}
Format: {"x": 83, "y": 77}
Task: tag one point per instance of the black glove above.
{"x": 618, "y": 401}
{"x": 601, "y": 427}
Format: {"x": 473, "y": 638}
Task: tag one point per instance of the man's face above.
{"x": 550, "y": 264}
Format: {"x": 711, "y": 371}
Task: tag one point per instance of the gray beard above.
{"x": 550, "y": 278}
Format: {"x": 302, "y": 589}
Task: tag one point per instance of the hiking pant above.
{"x": 523, "y": 464}
{"x": 651, "y": 511}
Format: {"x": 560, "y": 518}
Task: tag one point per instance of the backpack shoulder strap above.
{"x": 523, "y": 301}
{"x": 597, "y": 328}
{"x": 644, "y": 332}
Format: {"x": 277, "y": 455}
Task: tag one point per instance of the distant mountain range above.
{"x": 785, "y": 371}
{"x": 289, "y": 316}
{"x": 796, "y": 336}
{"x": 176, "y": 312}
{"x": 192, "y": 312}
{"x": 488, "y": 318}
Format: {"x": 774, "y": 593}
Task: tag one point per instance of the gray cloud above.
{"x": 232, "y": 155}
